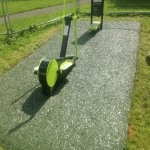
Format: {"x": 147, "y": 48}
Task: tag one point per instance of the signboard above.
{"x": 97, "y": 1}
{"x": 97, "y": 7}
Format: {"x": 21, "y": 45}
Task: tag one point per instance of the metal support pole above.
{"x": 6, "y": 18}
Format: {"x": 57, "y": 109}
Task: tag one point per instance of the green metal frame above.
{"x": 74, "y": 18}
{"x": 52, "y": 72}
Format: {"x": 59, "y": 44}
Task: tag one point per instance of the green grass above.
{"x": 129, "y": 1}
{"x": 18, "y": 44}
{"x": 20, "y": 24}
{"x": 12, "y": 50}
{"x": 17, "y": 6}
{"x": 140, "y": 110}
{"x": 127, "y": 5}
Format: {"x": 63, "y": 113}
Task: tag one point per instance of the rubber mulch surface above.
{"x": 89, "y": 110}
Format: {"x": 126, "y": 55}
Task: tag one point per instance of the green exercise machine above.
{"x": 52, "y": 71}
{"x": 97, "y": 8}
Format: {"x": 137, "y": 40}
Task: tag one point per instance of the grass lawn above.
{"x": 12, "y": 50}
{"x": 15, "y": 6}
{"x": 1, "y": 148}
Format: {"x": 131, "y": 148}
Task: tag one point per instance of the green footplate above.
{"x": 52, "y": 73}
{"x": 94, "y": 26}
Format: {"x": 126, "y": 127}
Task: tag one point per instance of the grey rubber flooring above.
{"x": 89, "y": 110}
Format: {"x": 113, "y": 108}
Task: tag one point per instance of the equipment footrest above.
{"x": 94, "y": 26}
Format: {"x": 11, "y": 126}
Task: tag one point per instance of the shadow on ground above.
{"x": 34, "y": 103}
{"x": 84, "y": 38}
{"x": 31, "y": 106}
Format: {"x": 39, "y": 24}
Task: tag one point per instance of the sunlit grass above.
{"x": 15, "y": 6}
{"x": 12, "y": 50}
{"x": 20, "y": 24}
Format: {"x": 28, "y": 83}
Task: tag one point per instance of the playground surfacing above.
{"x": 90, "y": 108}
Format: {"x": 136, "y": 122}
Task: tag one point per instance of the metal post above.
{"x": 6, "y": 18}
{"x": 97, "y": 8}
{"x": 78, "y": 7}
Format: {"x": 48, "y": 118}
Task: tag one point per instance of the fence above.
{"x": 116, "y": 7}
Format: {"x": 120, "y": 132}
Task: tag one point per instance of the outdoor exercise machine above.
{"x": 52, "y": 71}
{"x": 97, "y": 8}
